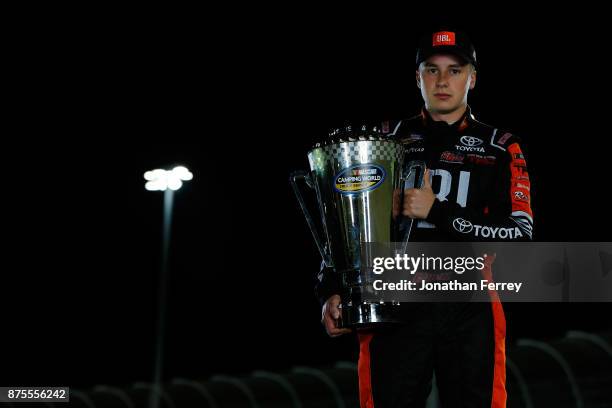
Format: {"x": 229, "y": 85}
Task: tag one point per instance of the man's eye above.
{"x": 455, "y": 71}
{"x": 432, "y": 70}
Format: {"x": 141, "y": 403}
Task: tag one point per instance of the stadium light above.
{"x": 167, "y": 181}
{"x": 161, "y": 180}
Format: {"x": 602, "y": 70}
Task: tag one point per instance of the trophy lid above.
{"x": 353, "y": 132}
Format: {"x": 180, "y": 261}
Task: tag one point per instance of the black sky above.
{"x": 240, "y": 105}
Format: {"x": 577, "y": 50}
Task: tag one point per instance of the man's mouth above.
{"x": 442, "y": 96}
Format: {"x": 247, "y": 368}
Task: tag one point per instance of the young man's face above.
{"x": 444, "y": 81}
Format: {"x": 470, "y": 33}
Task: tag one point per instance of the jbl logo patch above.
{"x": 443, "y": 38}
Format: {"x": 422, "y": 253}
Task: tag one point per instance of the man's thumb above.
{"x": 426, "y": 179}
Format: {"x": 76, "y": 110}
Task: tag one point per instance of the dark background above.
{"x": 239, "y": 100}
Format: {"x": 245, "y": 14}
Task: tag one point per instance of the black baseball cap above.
{"x": 446, "y": 41}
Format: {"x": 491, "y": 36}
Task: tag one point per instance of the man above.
{"x": 476, "y": 188}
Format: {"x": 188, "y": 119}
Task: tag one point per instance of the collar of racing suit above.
{"x": 459, "y": 125}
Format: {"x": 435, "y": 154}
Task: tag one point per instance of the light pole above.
{"x": 167, "y": 181}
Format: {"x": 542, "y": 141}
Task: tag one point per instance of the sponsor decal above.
{"x": 470, "y": 149}
{"x": 359, "y": 178}
{"x": 452, "y": 157}
{"x": 481, "y": 160}
{"x": 519, "y": 195}
{"x": 521, "y": 185}
{"x": 411, "y": 139}
{"x": 518, "y": 168}
{"x": 442, "y": 38}
{"x": 470, "y": 144}
{"x": 519, "y": 172}
{"x": 504, "y": 138}
{"x": 462, "y": 225}
{"x": 470, "y": 141}
{"x": 415, "y": 150}
{"x": 483, "y": 231}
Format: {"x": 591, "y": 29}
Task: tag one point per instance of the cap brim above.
{"x": 445, "y": 50}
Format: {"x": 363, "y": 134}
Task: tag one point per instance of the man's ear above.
{"x": 418, "y": 79}
{"x": 473, "y": 79}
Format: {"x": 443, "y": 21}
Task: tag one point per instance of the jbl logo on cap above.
{"x": 443, "y": 38}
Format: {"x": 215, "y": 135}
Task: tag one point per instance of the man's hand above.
{"x": 418, "y": 201}
{"x": 330, "y": 317}
{"x": 396, "y": 202}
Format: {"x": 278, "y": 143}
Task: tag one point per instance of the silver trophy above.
{"x": 358, "y": 182}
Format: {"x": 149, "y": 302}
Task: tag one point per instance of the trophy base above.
{"x": 365, "y": 315}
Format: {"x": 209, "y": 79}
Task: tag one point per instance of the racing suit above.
{"x": 482, "y": 188}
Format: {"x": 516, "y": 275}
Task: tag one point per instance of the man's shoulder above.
{"x": 404, "y": 129}
{"x": 499, "y": 138}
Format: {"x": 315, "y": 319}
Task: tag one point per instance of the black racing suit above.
{"x": 480, "y": 179}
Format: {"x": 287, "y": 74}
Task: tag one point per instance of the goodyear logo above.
{"x": 359, "y": 178}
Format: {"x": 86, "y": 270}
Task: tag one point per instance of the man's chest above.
{"x": 462, "y": 166}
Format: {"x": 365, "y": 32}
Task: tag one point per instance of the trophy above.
{"x": 357, "y": 178}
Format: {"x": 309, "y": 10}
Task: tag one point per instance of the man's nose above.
{"x": 442, "y": 80}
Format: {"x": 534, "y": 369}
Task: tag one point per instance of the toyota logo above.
{"x": 471, "y": 141}
{"x": 463, "y": 226}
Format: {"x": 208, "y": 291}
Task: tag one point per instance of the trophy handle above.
{"x": 412, "y": 178}
{"x": 293, "y": 179}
